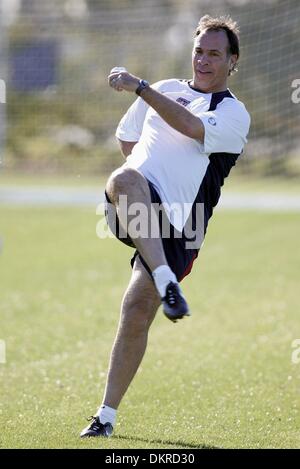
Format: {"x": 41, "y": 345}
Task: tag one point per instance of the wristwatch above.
{"x": 143, "y": 84}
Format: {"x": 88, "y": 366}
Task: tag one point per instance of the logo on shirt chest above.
{"x": 182, "y": 101}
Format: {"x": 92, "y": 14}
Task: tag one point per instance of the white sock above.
{"x": 107, "y": 414}
{"x": 162, "y": 275}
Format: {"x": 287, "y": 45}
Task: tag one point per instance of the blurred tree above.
{"x": 96, "y": 5}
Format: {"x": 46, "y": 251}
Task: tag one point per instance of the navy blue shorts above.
{"x": 179, "y": 258}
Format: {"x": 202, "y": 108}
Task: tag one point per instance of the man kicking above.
{"x": 180, "y": 139}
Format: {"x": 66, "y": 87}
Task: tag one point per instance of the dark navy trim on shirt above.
{"x": 218, "y": 169}
{"x": 209, "y": 192}
{"x": 216, "y": 98}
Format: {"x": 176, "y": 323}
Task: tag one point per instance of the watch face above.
{"x": 143, "y": 84}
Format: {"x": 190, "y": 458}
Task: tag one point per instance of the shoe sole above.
{"x": 96, "y": 435}
{"x": 176, "y": 318}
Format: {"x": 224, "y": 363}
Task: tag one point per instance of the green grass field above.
{"x": 222, "y": 378}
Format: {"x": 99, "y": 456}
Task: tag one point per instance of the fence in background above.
{"x": 55, "y": 57}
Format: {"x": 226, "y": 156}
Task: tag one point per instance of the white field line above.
{"x": 54, "y": 196}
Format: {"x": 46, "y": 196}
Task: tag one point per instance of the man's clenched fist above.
{"x": 119, "y": 79}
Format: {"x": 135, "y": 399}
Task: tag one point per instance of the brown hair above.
{"x": 222, "y": 23}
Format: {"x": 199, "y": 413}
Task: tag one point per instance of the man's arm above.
{"x": 126, "y": 147}
{"x": 176, "y": 115}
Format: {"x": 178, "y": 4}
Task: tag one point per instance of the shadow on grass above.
{"x": 181, "y": 443}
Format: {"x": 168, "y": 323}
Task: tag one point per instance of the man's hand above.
{"x": 123, "y": 80}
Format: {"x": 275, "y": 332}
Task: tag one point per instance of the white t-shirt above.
{"x": 176, "y": 164}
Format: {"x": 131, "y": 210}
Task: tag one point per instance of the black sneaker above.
{"x": 96, "y": 428}
{"x": 174, "y": 305}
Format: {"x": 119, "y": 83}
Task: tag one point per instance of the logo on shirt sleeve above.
{"x": 212, "y": 121}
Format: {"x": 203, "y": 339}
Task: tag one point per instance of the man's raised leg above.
{"x": 129, "y": 182}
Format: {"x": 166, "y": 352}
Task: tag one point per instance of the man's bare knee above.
{"x": 122, "y": 180}
{"x": 138, "y": 314}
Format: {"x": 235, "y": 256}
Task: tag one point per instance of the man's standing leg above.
{"x": 138, "y": 309}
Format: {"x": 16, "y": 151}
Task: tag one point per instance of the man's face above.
{"x": 211, "y": 61}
